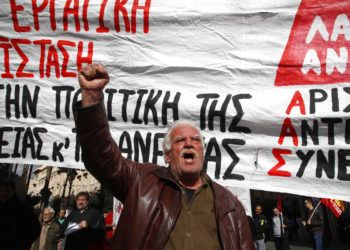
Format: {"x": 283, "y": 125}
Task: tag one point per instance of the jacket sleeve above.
{"x": 317, "y": 219}
{"x": 245, "y": 234}
{"x": 101, "y": 155}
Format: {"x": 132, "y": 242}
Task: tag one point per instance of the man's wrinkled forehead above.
{"x": 183, "y": 131}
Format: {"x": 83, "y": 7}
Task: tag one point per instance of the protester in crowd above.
{"x": 84, "y": 226}
{"x": 314, "y": 224}
{"x": 260, "y": 228}
{"x": 280, "y": 230}
{"x": 61, "y": 216}
{"x": 178, "y": 207}
{"x": 48, "y": 238}
{"x": 19, "y": 226}
{"x": 60, "y": 220}
{"x": 292, "y": 227}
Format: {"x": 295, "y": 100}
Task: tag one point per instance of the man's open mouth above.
{"x": 188, "y": 156}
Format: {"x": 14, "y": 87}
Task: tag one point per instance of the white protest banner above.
{"x": 266, "y": 81}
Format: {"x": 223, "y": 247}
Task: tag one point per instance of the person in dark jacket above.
{"x": 48, "y": 239}
{"x": 314, "y": 224}
{"x": 84, "y": 226}
{"x": 19, "y": 226}
{"x": 260, "y": 228}
{"x": 178, "y": 207}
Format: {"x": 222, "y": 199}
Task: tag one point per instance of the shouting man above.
{"x": 178, "y": 207}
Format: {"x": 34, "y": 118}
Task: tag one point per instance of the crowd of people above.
{"x": 86, "y": 227}
{"x": 83, "y": 228}
{"x": 281, "y": 229}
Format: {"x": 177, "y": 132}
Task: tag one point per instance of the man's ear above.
{"x": 167, "y": 157}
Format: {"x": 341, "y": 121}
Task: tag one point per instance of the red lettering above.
{"x": 85, "y": 11}
{"x": 71, "y": 11}
{"x": 297, "y": 101}
{"x": 288, "y": 130}
{"x": 52, "y": 15}
{"x": 36, "y": 10}
{"x": 119, "y": 6}
{"x": 6, "y": 46}
{"x": 52, "y": 61}
{"x": 42, "y": 44}
{"x": 145, "y": 9}
{"x": 102, "y": 28}
{"x": 60, "y": 45}
{"x": 25, "y": 60}
{"x": 87, "y": 59}
{"x": 277, "y": 153}
{"x": 14, "y": 9}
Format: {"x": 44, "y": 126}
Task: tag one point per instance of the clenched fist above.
{"x": 92, "y": 79}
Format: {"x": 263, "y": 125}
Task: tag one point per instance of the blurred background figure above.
{"x": 48, "y": 239}
{"x": 259, "y": 228}
{"x": 61, "y": 216}
{"x": 314, "y": 224}
{"x": 84, "y": 226}
{"x": 19, "y": 226}
{"x": 280, "y": 230}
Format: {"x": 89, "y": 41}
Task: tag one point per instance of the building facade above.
{"x": 62, "y": 182}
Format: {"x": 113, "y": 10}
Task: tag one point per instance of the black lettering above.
{"x": 56, "y": 151}
{"x": 174, "y": 106}
{"x": 128, "y": 148}
{"x": 206, "y": 98}
{"x": 16, "y": 153}
{"x": 29, "y": 102}
{"x": 235, "y": 120}
{"x": 221, "y": 113}
{"x": 347, "y": 131}
{"x": 77, "y": 154}
{"x": 305, "y": 158}
{"x": 330, "y": 122}
{"x": 12, "y": 101}
{"x": 213, "y": 145}
{"x": 3, "y": 142}
{"x": 126, "y": 94}
{"x": 314, "y": 100}
{"x": 37, "y": 132}
{"x": 141, "y": 93}
{"x": 235, "y": 159}
{"x": 328, "y": 166}
{"x": 141, "y": 146}
{"x": 312, "y": 132}
{"x": 335, "y": 100}
{"x": 68, "y": 90}
{"x": 150, "y": 105}
{"x": 347, "y": 108}
{"x": 343, "y": 164}
{"x": 28, "y": 143}
{"x": 156, "y": 151}
{"x": 110, "y": 93}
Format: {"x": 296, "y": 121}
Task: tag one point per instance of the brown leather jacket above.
{"x": 151, "y": 197}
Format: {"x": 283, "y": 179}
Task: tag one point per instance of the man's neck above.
{"x": 191, "y": 183}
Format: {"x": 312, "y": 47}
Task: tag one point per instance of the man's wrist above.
{"x": 91, "y": 97}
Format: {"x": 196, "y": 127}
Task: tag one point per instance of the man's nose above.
{"x": 188, "y": 142}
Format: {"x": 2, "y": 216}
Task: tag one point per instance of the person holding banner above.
{"x": 314, "y": 224}
{"x": 280, "y": 230}
{"x": 178, "y": 207}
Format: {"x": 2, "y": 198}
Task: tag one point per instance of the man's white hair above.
{"x": 51, "y": 210}
{"x": 167, "y": 140}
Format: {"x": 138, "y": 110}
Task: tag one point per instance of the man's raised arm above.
{"x": 101, "y": 155}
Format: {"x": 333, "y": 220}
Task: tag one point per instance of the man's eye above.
{"x": 179, "y": 140}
